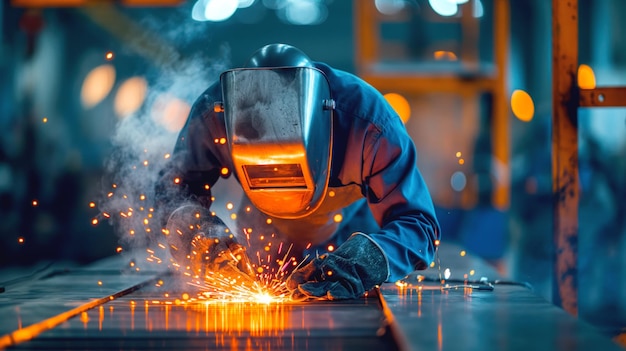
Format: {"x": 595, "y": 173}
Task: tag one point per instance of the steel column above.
{"x": 565, "y": 182}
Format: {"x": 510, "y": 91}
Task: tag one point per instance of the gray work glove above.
{"x": 355, "y": 267}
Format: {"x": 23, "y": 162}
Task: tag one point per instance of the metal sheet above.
{"x": 215, "y": 326}
{"x": 159, "y": 316}
{"x": 154, "y": 317}
{"x": 510, "y": 318}
{"x": 36, "y": 304}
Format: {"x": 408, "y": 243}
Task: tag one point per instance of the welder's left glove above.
{"x": 355, "y": 267}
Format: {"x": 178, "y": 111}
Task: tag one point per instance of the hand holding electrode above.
{"x": 201, "y": 243}
{"x": 355, "y": 267}
{"x": 221, "y": 256}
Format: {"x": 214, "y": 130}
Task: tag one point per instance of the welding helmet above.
{"x": 278, "y": 114}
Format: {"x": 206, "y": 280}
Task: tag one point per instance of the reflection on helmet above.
{"x": 278, "y": 113}
{"x": 279, "y": 55}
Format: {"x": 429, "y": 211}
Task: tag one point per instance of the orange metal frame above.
{"x": 368, "y": 44}
{"x": 567, "y": 98}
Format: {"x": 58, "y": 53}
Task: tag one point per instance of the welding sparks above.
{"x": 229, "y": 276}
{"x": 264, "y": 298}
{"x": 221, "y": 275}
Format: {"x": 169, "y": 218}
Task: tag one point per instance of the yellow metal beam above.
{"x": 144, "y": 42}
{"x": 428, "y": 83}
{"x": 500, "y": 126}
{"x": 469, "y": 81}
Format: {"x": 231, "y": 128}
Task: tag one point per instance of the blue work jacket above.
{"x": 375, "y": 186}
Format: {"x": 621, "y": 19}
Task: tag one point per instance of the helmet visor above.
{"x": 279, "y": 129}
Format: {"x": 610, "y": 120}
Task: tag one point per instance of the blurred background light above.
{"x": 458, "y": 181}
{"x": 214, "y": 10}
{"x": 389, "y": 7}
{"x": 170, "y": 112}
{"x": 130, "y": 96}
{"x": 586, "y": 77}
{"x": 442, "y": 55}
{"x": 444, "y": 8}
{"x": 478, "y": 9}
{"x": 245, "y": 3}
{"x": 448, "y": 8}
{"x": 296, "y": 12}
{"x": 522, "y": 105}
{"x": 197, "y": 11}
{"x": 303, "y": 12}
{"x": 97, "y": 85}
{"x": 400, "y": 105}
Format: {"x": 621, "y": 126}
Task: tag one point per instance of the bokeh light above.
{"x": 442, "y": 55}
{"x": 130, "y": 96}
{"x": 97, "y": 85}
{"x": 245, "y": 3}
{"x": 170, "y": 112}
{"x": 448, "y": 8}
{"x": 214, "y": 10}
{"x": 586, "y": 77}
{"x": 389, "y": 7}
{"x": 400, "y": 105}
{"x": 444, "y": 8}
{"x": 302, "y": 12}
{"x": 522, "y": 105}
{"x": 458, "y": 181}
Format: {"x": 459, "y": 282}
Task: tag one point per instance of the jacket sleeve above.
{"x": 399, "y": 200}
{"x": 195, "y": 164}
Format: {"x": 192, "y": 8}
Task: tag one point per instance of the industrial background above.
{"x": 516, "y": 107}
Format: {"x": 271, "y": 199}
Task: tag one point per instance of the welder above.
{"x": 322, "y": 159}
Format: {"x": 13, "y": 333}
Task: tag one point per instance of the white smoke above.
{"x": 141, "y": 149}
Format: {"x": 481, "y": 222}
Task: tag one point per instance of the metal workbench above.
{"x": 112, "y": 305}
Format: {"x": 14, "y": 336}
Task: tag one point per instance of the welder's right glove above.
{"x": 355, "y": 267}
